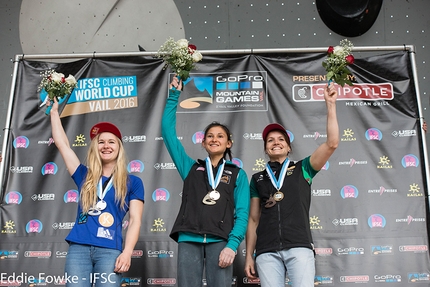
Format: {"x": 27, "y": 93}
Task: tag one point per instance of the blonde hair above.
{"x": 88, "y": 194}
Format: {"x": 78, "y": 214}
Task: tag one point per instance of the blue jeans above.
{"x": 298, "y": 262}
{"x": 91, "y": 266}
{"x": 194, "y": 257}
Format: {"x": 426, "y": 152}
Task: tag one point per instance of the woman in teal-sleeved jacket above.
{"x": 213, "y": 216}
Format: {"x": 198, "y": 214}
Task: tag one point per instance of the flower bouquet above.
{"x": 337, "y": 59}
{"x": 180, "y": 56}
{"x": 56, "y": 85}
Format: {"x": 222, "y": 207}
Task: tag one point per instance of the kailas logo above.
{"x": 414, "y": 190}
{"x": 135, "y": 166}
{"x": 13, "y": 197}
{"x": 373, "y": 134}
{"x": 9, "y": 227}
{"x": 410, "y": 160}
{"x": 348, "y": 136}
{"x": 315, "y": 223}
{"x": 358, "y": 92}
{"x": 225, "y": 92}
{"x": 49, "y": 168}
{"x": 384, "y": 162}
{"x": 259, "y": 165}
{"x": 21, "y": 142}
{"x": 79, "y": 141}
{"x": 158, "y": 226}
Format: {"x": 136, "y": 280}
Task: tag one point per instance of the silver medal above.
{"x": 214, "y": 195}
{"x": 101, "y": 205}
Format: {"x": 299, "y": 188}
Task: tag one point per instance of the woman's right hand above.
{"x": 54, "y": 104}
{"x": 176, "y": 83}
{"x": 250, "y": 269}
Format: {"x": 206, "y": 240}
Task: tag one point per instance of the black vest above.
{"x": 286, "y": 224}
{"x": 195, "y": 216}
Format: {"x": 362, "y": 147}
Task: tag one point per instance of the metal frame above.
{"x": 18, "y": 58}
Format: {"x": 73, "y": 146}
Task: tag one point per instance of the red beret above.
{"x": 103, "y": 127}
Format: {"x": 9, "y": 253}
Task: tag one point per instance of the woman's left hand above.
{"x": 226, "y": 257}
{"x": 122, "y": 263}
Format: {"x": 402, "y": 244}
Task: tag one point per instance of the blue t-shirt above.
{"x": 105, "y": 229}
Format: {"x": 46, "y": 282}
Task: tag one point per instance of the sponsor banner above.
{"x": 368, "y": 201}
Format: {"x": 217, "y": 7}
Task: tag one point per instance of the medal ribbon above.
{"x": 102, "y": 190}
{"x": 214, "y": 181}
{"x": 278, "y": 183}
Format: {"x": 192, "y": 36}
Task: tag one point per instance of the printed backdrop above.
{"x": 368, "y": 215}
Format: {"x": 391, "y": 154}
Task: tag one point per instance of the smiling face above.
{"x": 276, "y": 146}
{"x": 216, "y": 141}
{"x": 108, "y": 147}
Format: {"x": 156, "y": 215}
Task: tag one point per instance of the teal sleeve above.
{"x": 253, "y": 188}
{"x": 241, "y": 203}
{"x": 308, "y": 171}
{"x": 177, "y": 152}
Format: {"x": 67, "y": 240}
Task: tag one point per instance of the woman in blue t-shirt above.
{"x": 107, "y": 192}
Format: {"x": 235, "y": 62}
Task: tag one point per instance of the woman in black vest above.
{"x": 278, "y": 226}
{"x": 213, "y": 216}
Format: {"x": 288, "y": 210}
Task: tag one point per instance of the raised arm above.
{"x": 320, "y": 156}
{"x": 61, "y": 141}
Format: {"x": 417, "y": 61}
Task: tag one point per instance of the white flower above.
{"x": 56, "y": 77}
{"x": 71, "y": 80}
{"x": 183, "y": 43}
{"x": 197, "y": 56}
{"x": 338, "y": 51}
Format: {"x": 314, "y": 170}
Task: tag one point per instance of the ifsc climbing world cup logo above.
{"x": 224, "y": 92}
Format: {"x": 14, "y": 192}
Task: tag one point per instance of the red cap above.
{"x": 272, "y": 127}
{"x": 103, "y": 127}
